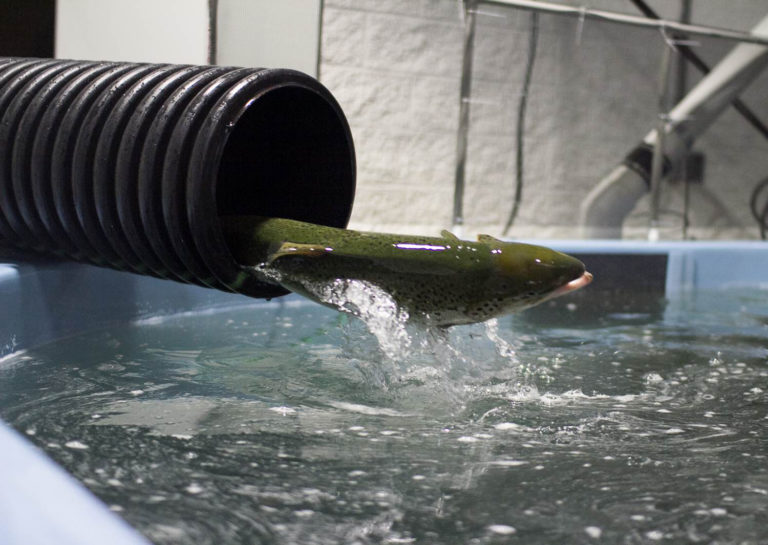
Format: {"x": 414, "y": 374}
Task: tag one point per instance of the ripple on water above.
{"x": 291, "y": 423}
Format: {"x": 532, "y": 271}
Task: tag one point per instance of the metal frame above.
{"x": 666, "y": 27}
{"x": 633, "y": 20}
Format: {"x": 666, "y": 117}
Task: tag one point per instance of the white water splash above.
{"x": 409, "y": 351}
{"x": 503, "y": 348}
{"x": 376, "y": 308}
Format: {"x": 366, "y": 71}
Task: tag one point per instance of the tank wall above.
{"x": 394, "y": 66}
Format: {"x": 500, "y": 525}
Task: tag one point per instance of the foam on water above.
{"x": 410, "y": 349}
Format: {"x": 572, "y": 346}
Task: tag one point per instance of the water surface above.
{"x": 286, "y": 422}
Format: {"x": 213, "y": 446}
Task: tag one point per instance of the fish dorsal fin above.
{"x": 294, "y": 248}
{"x": 488, "y": 239}
{"x": 445, "y": 233}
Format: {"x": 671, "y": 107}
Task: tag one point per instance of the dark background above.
{"x": 27, "y": 27}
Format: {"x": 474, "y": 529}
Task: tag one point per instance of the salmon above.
{"x": 442, "y": 281}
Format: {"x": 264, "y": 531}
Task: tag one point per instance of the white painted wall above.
{"x": 254, "y": 33}
{"x": 394, "y": 66}
{"x": 266, "y": 33}
{"x": 173, "y": 31}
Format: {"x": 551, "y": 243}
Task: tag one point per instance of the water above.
{"x": 286, "y": 422}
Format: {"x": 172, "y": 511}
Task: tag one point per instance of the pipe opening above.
{"x": 289, "y": 155}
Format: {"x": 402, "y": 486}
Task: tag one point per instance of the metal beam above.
{"x": 662, "y": 25}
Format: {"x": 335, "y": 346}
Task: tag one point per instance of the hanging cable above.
{"x": 760, "y": 214}
{"x": 533, "y": 39}
{"x": 764, "y": 222}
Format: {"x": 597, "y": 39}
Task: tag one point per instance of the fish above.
{"x": 441, "y": 281}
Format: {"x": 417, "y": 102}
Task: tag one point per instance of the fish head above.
{"x": 526, "y": 275}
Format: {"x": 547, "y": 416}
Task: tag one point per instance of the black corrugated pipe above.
{"x": 130, "y": 166}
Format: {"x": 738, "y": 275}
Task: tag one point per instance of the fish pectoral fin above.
{"x": 445, "y": 233}
{"x": 294, "y": 248}
{"x": 488, "y": 239}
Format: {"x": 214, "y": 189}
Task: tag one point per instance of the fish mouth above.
{"x": 573, "y": 285}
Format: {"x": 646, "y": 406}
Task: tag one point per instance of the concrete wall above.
{"x": 394, "y": 66}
